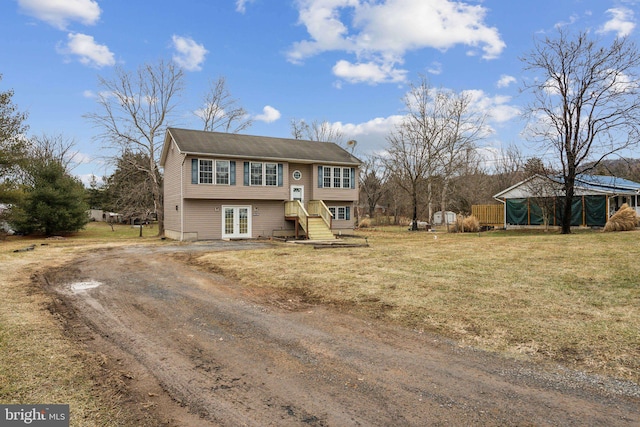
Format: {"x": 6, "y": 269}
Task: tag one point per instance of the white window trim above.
{"x": 335, "y": 211}
{"x": 228, "y": 172}
{"x": 263, "y": 174}
{"x": 214, "y": 171}
{"x": 236, "y": 209}
{"x": 200, "y": 171}
{"x": 345, "y": 174}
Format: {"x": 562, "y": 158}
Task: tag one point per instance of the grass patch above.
{"x": 569, "y": 298}
{"x": 38, "y": 363}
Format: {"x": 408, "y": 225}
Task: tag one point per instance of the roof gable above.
{"x": 232, "y": 145}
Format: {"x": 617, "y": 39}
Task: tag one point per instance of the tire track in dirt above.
{"x": 226, "y": 358}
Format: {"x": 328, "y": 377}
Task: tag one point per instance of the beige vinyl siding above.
{"x": 205, "y": 217}
{"x": 200, "y": 217}
{"x": 306, "y": 180}
{"x": 171, "y": 189}
{"x": 338, "y": 225}
{"x": 233, "y": 192}
{"x": 268, "y": 216}
{"x": 345, "y": 194}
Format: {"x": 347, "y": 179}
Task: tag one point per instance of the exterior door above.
{"x": 236, "y": 222}
{"x": 297, "y": 193}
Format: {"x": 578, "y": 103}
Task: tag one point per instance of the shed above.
{"x": 448, "y": 217}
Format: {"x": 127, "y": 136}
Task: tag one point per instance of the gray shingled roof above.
{"x": 196, "y": 142}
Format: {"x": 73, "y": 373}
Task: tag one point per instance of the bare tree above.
{"x": 54, "y": 147}
{"x": 544, "y": 190}
{"x": 12, "y": 140}
{"x": 128, "y": 190}
{"x": 586, "y": 103}
{"x": 372, "y": 181}
{"x": 418, "y": 142}
{"x": 464, "y": 127}
{"x": 136, "y": 110}
{"x": 221, "y": 111}
{"x": 321, "y": 131}
{"x": 507, "y": 167}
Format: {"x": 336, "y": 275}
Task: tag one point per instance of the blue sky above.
{"x": 348, "y": 62}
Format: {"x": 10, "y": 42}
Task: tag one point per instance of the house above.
{"x": 538, "y": 200}
{"x": 231, "y": 186}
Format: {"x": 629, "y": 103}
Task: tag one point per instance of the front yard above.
{"x": 574, "y": 298}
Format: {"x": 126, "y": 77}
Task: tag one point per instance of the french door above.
{"x": 236, "y": 222}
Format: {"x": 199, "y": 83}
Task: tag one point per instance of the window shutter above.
{"x": 246, "y": 173}
{"x": 347, "y": 213}
{"x": 194, "y": 171}
{"x": 353, "y": 177}
{"x": 320, "y": 176}
{"x": 280, "y": 174}
{"x": 232, "y": 172}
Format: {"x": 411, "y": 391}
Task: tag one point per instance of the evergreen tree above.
{"x": 53, "y": 202}
{"x": 12, "y": 146}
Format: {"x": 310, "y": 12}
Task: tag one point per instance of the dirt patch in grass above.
{"x": 571, "y": 299}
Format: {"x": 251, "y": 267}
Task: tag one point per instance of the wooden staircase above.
{"x": 316, "y": 224}
{"x": 318, "y": 230}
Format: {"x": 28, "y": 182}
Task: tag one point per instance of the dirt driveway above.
{"x": 194, "y": 348}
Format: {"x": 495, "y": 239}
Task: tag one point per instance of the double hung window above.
{"x": 256, "y": 173}
{"x": 335, "y": 177}
{"x": 340, "y": 212}
{"x": 209, "y": 171}
{"x": 222, "y": 172}
{"x": 263, "y": 174}
{"x": 206, "y": 171}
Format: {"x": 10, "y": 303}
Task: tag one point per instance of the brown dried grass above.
{"x": 38, "y": 361}
{"x": 467, "y": 224}
{"x": 623, "y": 220}
{"x": 550, "y": 305}
{"x": 364, "y": 223}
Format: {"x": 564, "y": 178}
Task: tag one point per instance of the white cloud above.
{"x": 372, "y": 134}
{"x": 59, "y": 13}
{"x": 379, "y": 125}
{"x": 572, "y": 20}
{"x": 81, "y": 158}
{"x": 369, "y": 72}
{"x": 435, "y": 68}
{"x": 496, "y": 107}
{"x": 506, "y": 80}
{"x": 88, "y": 177}
{"x": 88, "y": 51}
{"x": 269, "y": 115}
{"x": 241, "y": 5}
{"x": 621, "y": 22}
{"x": 382, "y": 32}
{"x": 189, "y": 54}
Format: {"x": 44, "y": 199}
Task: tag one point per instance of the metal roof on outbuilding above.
{"x": 231, "y": 145}
{"x": 584, "y": 184}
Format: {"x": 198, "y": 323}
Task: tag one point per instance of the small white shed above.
{"x": 447, "y": 218}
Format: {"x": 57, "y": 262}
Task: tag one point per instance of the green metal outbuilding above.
{"x": 538, "y": 200}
